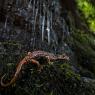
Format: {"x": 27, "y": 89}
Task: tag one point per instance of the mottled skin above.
{"x": 31, "y": 57}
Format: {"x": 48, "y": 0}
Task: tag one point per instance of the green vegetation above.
{"x": 84, "y": 47}
{"x": 88, "y": 10}
{"x": 56, "y": 79}
{"x": 69, "y": 72}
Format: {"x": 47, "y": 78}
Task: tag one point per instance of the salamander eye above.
{"x": 63, "y": 55}
{"x": 60, "y": 56}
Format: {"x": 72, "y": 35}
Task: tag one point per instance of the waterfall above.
{"x": 17, "y": 3}
{"x": 5, "y": 25}
{"x": 48, "y": 29}
{"x": 29, "y": 4}
{"x": 43, "y": 21}
{"x": 43, "y": 24}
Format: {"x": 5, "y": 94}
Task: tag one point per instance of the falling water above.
{"x": 35, "y": 19}
{"x": 65, "y": 28}
{"x": 42, "y": 20}
{"x": 33, "y": 9}
{"x": 5, "y": 25}
{"x": 29, "y": 4}
{"x": 35, "y": 14}
{"x": 48, "y": 29}
{"x": 17, "y": 3}
{"x": 43, "y": 24}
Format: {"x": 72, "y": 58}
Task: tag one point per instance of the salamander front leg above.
{"x": 40, "y": 67}
{"x": 48, "y": 59}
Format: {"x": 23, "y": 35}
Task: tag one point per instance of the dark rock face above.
{"x": 33, "y": 24}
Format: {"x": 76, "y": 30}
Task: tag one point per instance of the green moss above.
{"x": 12, "y": 43}
{"x": 88, "y": 11}
{"x": 69, "y": 73}
{"x": 85, "y": 42}
{"x": 54, "y": 79}
{"x": 84, "y": 47}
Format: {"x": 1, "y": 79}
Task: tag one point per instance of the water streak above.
{"x": 17, "y": 3}
{"x": 43, "y": 24}
{"x": 29, "y": 4}
{"x": 5, "y": 25}
{"x": 52, "y": 31}
{"x": 65, "y": 28}
{"x": 42, "y": 17}
{"x": 48, "y": 29}
{"x": 43, "y": 20}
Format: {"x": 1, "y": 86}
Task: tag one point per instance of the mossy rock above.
{"x": 54, "y": 79}
{"x": 84, "y": 46}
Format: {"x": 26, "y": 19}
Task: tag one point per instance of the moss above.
{"x": 11, "y": 43}
{"x": 56, "y": 79}
{"x": 84, "y": 46}
{"x": 87, "y": 11}
{"x": 69, "y": 72}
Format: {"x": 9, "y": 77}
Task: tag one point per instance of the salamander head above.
{"x": 63, "y": 57}
{"x": 29, "y": 54}
{"x": 27, "y": 58}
